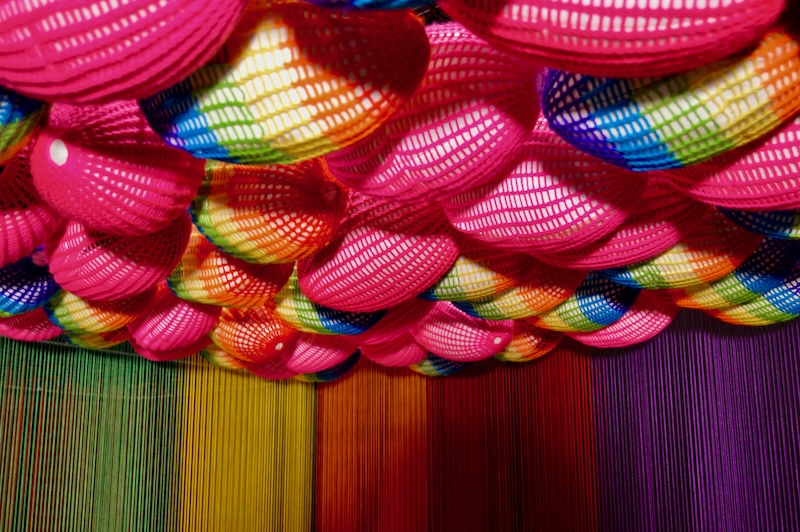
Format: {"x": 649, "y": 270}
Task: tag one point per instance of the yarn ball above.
{"x": 331, "y": 374}
{"x": 74, "y": 314}
{"x": 395, "y": 323}
{"x": 33, "y": 326}
{"x": 221, "y": 358}
{"x": 25, "y": 285}
{"x": 316, "y": 352}
{"x": 178, "y": 353}
{"x": 71, "y": 51}
{"x": 650, "y": 124}
{"x": 434, "y": 366}
{"x": 19, "y": 120}
{"x": 529, "y": 342}
{"x": 774, "y": 224}
{"x": 254, "y": 335}
{"x": 370, "y": 4}
{"x": 384, "y": 253}
{"x": 398, "y": 352}
{"x": 104, "y": 167}
{"x": 99, "y": 266}
{"x": 294, "y": 82}
{"x": 102, "y": 340}
{"x": 474, "y": 107}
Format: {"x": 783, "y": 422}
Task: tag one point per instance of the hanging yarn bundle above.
{"x": 286, "y": 188}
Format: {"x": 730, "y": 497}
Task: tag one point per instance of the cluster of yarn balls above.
{"x": 287, "y": 186}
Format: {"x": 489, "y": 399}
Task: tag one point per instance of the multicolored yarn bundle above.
{"x": 285, "y": 188}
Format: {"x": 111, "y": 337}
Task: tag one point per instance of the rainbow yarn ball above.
{"x": 74, "y": 314}
{"x": 529, "y": 342}
{"x": 25, "y": 285}
{"x": 255, "y": 336}
{"x": 331, "y": 374}
{"x": 434, "y": 366}
{"x": 219, "y": 357}
{"x": 371, "y": 4}
{"x": 294, "y": 82}
{"x": 774, "y": 224}
{"x": 19, "y": 119}
{"x": 312, "y": 353}
{"x": 102, "y": 340}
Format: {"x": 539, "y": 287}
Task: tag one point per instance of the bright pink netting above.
{"x": 317, "y": 352}
{"x": 395, "y": 323}
{"x": 617, "y": 39}
{"x": 474, "y": 108}
{"x": 72, "y": 51}
{"x": 384, "y": 253}
{"x": 104, "y": 167}
{"x": 33, "y": 326}
{"x": 398, "y": 352}
{"x": 185, "y": 351}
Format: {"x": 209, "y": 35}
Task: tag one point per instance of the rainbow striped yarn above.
{"x": 24, "y": 286}
{"x": 219, "y": 357}
{"x": 596, "y": 303}
{"x": 774, "y": 224}
{"x": 293, "y": 82}
{"x": 433, "y": 366}
{"x": 294, "y": 307}
{"x": 102, "y": 340}
{"x": 649, "y": 124}
{"x": 331, "y": 374}
{"x": 19, "y": 119}
{"x": 529, "y": 343}
{"x": 78, "y": 315}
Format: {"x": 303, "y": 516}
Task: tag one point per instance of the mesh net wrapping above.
{"x": 102, "y": 340}
{"x": 383, "y": 254}
{"x": 473, "y": 109}
{"x": 398, "y": 352}
{"x": 333, "y": 373}
{"x": 395, "y": 323}
{"x": 24, "y": 286}
{"x": 450, "y": 333}
{"x": 267, "y": 214}
{"x": 178, "y": 353}
{"x": 762, "y": 175}
{"x": 219, "y": 357}
{"x": 33, "y": 326}
{"x": 271, "y": 368}
{"x": 617, "y": 38}
{"x": 713, "y": 249}
{"x": 646, "y": 318}
{"x": 312, "y": 353}
{"x": 529, "y": 342}
{"x": 554, "y": 198}
{"x": 25, "y": 220}
{"x": 371, "y": 4}
{"x": 73, "y": 51}
{"x": 254, "y": 335}
{"x": 206, "y": 274}
{"x": 651, "y": 124}
{"x": 596, "y": 303}
{"x": 170, "y": 323}
{"x": 774, "y": 224}
{"x": 763, "y": 270}
{"x": 104, "y": 167}
{"x": 434, "y": 366}
{"x": 294, "y": 82}
{"x": 95, "y": 265}
{"x": 74, "y": 314}
{"x": 19, "y": 119}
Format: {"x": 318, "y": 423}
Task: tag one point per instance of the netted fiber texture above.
{"x": 219, "y": 357}
{"x": 184, "y": 351}
{"x": 74, "y": 314}
{"x": 395, "y": 323}
{"x": 170, "y": 322}
{"x": 481, "y": 271}
{"x": 774, "y": 224}
{"x": 713, "y": 249}
{"x": 434, "y": 366}
{"x": 596, "y": 303}
{"x": 541, "y": 288}
{"x": 74, "y": 51}
{"x": 618, "y": 38}
{"x": 294, "y": 307}
{"x": 99, "y": 266}
{"x": 293, "y": 82}
{"x": 761, "y": 175}
{"x": 19, "y": 118}
{"x": 25, "y": 219}
{"x": 33, "y": 326}
{"x": 331, "y": 374}
{"x": 553, "y": 198}
{"x": 649, "y": 124}
{"x": 647, "y": 317}
{"x": 315, "y": 352}
{"x": 398, "y": 352}
{"x": 474, "y": 108}
{"x": 660, "y": 219}
{"x": 206, "y": 274}
{"x": 384, "y": 253}
{"x": 529, "y": 342}
{"x": 450, "y": 333}
{"x": 102, "y": 340}
{"x": 253, "y": 335}
{"x": 272, "y": 369}
{"x": 765, "y": 269}
{"x": 782, "y": 303}
{"x": 371, "y": 4}
{"x": 104, "y": 167}
{"x": 267, "y": 214}
{"x": 25, "y": 285}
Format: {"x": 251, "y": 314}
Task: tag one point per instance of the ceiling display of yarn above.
{"x": 284, "y": 187}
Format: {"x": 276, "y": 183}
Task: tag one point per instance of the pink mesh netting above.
{"x": 33, "y": 326}
{"x": 317, "y": 352}
{"x": 25, "y": 220}
{"x": 397, "y": 352}
{"x": 253, "y": 335}
{"x": 649, "y": 315}
{"x": 95, "y": 265}
{"x": 450, "y": 333}
{"x": 104, "y": 167}
{"x": 618, "y": 39}
{"x": 170, "y": 323}
{"x": 555, "y": 198}
{"x": 78, "y": 52}
{"x": 383, "y": 254}
{"x": 272, "y": 369}
{"x": 660, "y": 219}
{"x": 175, "y": 354}
{"x": 529, "y": 342}
{"x": 475, "y": 106}
{"x": 395, "y": 323}
{"x": 762, "y": 175}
